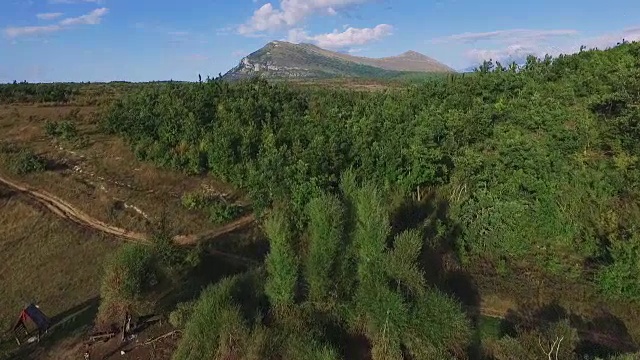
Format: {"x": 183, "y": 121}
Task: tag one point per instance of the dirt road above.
{"x": 69, "y": 212}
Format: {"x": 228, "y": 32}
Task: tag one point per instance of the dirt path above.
{"x": 209, "y": 235}
{"x": 69, "y": 212}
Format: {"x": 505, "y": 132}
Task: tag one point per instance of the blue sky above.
{"x": 141, "y": 40}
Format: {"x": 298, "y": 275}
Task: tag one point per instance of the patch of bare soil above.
{"x": 157, "y": 342}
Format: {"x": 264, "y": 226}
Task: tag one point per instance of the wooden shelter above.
{"x": 31, "y": 319}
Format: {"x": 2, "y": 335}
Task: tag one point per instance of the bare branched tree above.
{"x": 554, "y": 346}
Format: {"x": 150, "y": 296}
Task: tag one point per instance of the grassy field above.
{"x": 46, "y": 260}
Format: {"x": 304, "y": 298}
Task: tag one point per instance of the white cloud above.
{"x": 92, "y": 18}
{"x": 48, "y": 16}
{"x": 13, "y": 32}
{"x": 355, "y": 50}
{"x": 340, "y": 40}
{"x": 517, "y": 49}
{"x": 521, "y": 34}
{"x": 607, "y": 40}
{"x": 290, "y": 13}
{"x": 297, "y": 36}
{"x": 512, "y": 53}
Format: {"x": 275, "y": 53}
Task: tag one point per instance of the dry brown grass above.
{"x": 46, "y": 260}
{"x": 102, "y": 177}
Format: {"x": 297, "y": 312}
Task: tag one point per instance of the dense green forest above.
{"x": 533, "y": 168}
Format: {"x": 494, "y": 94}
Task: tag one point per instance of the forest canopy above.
{"x": 537, "y": 165}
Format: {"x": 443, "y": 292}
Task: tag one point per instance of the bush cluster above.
{"x": 64, "y": 130}
{"x": 26, "y": 162}
{"x": 218, "y": 209}
{"x": 129, "y": 274}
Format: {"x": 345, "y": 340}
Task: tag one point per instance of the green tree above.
{"x": 282, "y": 264}
{"x": 129, "y": 274}
{"x": 326, "y": 217}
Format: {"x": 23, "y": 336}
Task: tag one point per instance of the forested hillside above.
{"x": 534, "y": 168}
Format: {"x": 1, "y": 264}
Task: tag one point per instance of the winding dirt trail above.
{"x": 65, "y": 210}
{"x": 210, "y": 235}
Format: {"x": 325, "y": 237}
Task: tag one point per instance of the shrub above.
{"x": 281, "y": 262}
{"x": 221, "y": 212}
{"x": 218, "y": 210}
{"x": 51, "y": 128}
{"x": 179, "y": 317}
{"x": 215, "y": 321}
{"x": 389, "y": 301}
{"x": 64, "y": 130}
{"x": 173, "y": 259}
{"x": 26, "y": 162}
{"x": 304, "y": 346}
{"x": 194, "y": 201}
{"x": 8, "y": 148}
{"x": 168, "y": 253}
{"x": 538, "y": 343}
{"x": 128, "y": 275}
{"x": 621, "y": 278}
{"x": 326, "y": 216}
{"x": 26, "y": 92}
{"x": 68, "y": 130}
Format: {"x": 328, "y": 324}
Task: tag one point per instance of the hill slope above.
{"x": 280, "y": 59}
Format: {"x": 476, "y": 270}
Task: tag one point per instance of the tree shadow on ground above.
{"x": 439, "y": 260}
{"x": 6, "y": 194}
{"x": 229, "y": 255}
{"x": 612, "y": 335}
{"x": 602, "y": 336}
{"x": 55, "y": 165}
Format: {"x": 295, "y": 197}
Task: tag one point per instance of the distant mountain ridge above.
{"x": 280, "y": 59}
